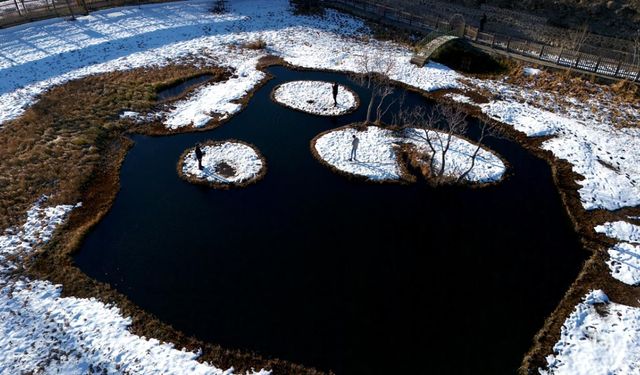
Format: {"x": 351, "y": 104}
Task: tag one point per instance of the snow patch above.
{"x": 624, "y": 257}
{"x": 620, "y": 230}
{"x": 316, "y": 97}
{"x": 376, "y": 157}
{"x": 597, "y": 340}
{"x": 219, "y": 99}
{"x": 460, "y": 98}
{"x": 531, "y": 71}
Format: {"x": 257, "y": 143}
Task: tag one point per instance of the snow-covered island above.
{"x": 316, "y": 97}
{"x": 225, "y": 164}
{"x": 377, "y": 154}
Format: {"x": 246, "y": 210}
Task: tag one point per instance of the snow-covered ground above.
{"x": 44, "y": 333}
{"x": 607, "y": 157}
{"x": 601, "y": 341}
{"x": 245, "y": 162}
{"x": 316, "y": 97}
{"x": 624, "y": 261}
{"x": 376, "y": 154}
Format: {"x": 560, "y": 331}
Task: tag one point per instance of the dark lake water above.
{"x": 178, "y": 89}
{"x": 313, "y": 268}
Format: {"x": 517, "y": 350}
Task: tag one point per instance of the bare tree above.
{"x": 374, "y": 75}
{"x": 636, "y": 51}
{"x": 578, "y": 37}
{"x": 485, "y": 130}
{"x": 437, "y": 128}
{"x": 576, "y": 41}
{"x": 219, "y": 7}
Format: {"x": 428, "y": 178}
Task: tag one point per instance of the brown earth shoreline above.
{"x": 54, "y": 262}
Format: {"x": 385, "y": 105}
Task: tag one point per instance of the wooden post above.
{"x": 73, "y": 17}
{"x": 17, "y": 7}
{"x": 84, "y": 6}
{"x": 541, "y": 52}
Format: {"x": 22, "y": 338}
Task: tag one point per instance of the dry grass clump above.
{"x": 58, "y": 144}
{"x": 257, "y": 44}
{"x": 617, "y": 103}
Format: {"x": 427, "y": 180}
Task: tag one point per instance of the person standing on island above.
{"x": 483, "y": 20}
{"x": 354, "y": 148}
{"x": 199, "y": 154}
{"x": 335, "y": 94}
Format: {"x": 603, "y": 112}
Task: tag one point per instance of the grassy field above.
{"x": 56, "y": 147}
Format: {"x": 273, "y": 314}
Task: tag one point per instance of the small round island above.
{"x": 225, "y": 164}
{"x": 316, "y": 97}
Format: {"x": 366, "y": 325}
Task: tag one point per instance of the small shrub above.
{"x": 256, "y": 44}
{"x": 219, "y": 7}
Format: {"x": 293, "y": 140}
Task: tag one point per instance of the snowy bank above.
{"x": 624, "y": 257}
{"x": 607, "y": 157}
{"x": 42, "y": 332}
{"x": 599, "y": 338}
{"x": 224, "y": 164}
{"x": 377, "y": 160}
{"x": 316, "y": 97}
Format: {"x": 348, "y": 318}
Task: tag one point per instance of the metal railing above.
{"x": 603, "y": 62}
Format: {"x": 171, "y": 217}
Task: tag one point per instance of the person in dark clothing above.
{"x": 483, "y": 20}
{"x": 354, "y": 148}
{"x": 199, "y": 154}
{"x": 335, "y": 94}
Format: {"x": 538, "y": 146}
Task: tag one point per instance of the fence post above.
{"x": 597, "y": 64}
{"x": 17, "y": 7}
{"x": 618, "y": 68}
{"x": 541, "y": 51}
{"x": 559, "y": 56}
{"x": 578, "y": 60}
